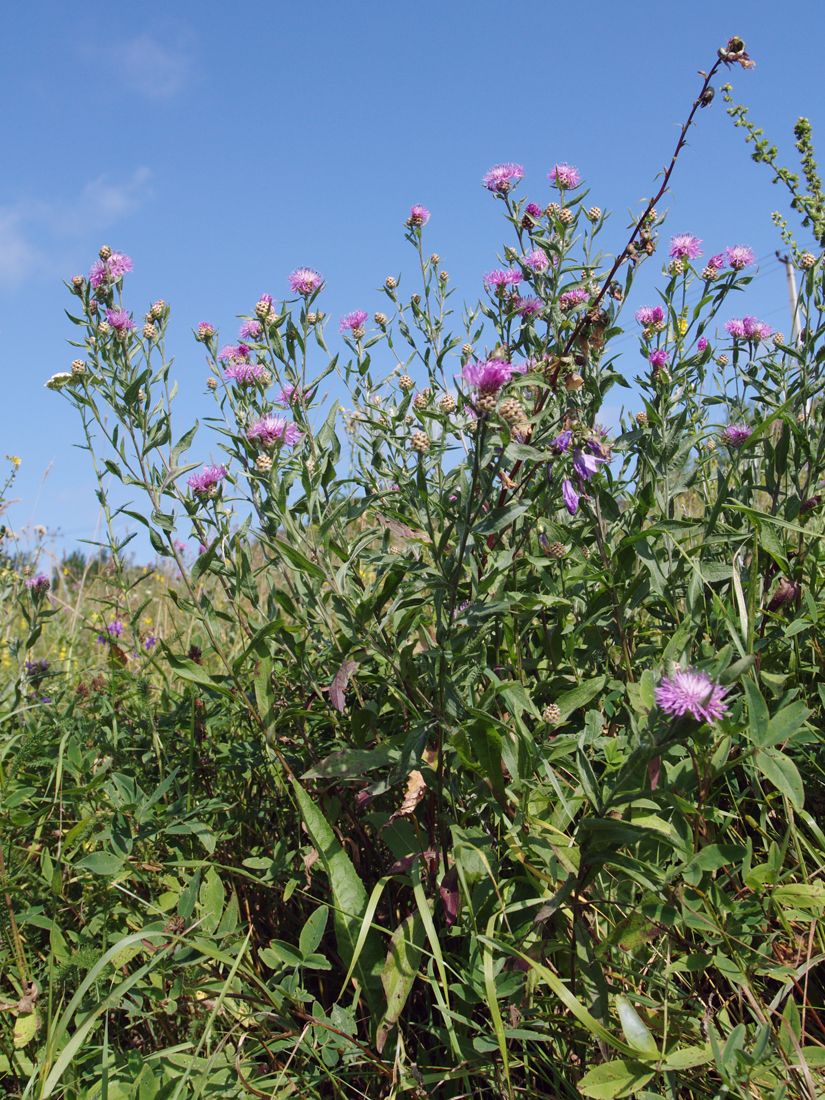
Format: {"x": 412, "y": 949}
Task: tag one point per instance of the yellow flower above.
{"x": 15, "y": 460}
{"x": 683, "y": 325}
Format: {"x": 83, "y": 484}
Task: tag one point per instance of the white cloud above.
{"x": 31, "y": 229}
{"x": 150, "y": 67}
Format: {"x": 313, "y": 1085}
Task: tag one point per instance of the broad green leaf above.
{"x": 400, "y": 970}
{"x": 101, "y": 863}
{"x": 635, "y": 1029}
{"x": 579, "y": 696}
{"x": 614, "y": 1079}
{"x": 780, "y": 770}
{"x": 313, "y": 931}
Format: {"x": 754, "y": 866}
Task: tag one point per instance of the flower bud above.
{"x": 405, "y": 382}
{"x": 420, "y": 442}
{"x": 809, "y": 504}
{"x": 422, "y": 400}
{"x": 150, "y": 331}
{"x": 78, "y": 283}
{"x": 103, "y": 328}
{"x": 641, "y": 419}
{"x": 565, "y": 216}
{"x": 784, "y": 593}
{"x": 807, "y": 260}
{"x": 511, "y": 410}
{"x": 594, "y": 213}
{"x": 722, "y": 360}
{"x": 447, "y": 403}
{"x": 557, "y": 550}
{"x": 551, "y": 714}
{"x": 92, "y": 307}
{"x": 443, "y": 276}
{"x": 263, "y": 463}
{"x": 158, "y": 309}
{"x": 105, "y": 252}
{"x": 466, "y": 350}
{"x": 312, "y": 318}
{"x": 390, "y": 283}
{"x": 381, "y": 319}
{"x": 435, "y": 258}
{"x": 211, "y": 383}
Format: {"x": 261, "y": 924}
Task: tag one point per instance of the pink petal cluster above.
{"x": 120, "y": 320}
{"x": 685, "y": 246}
{"x": 288, "y": 394}
{"x": 536, "y": 260}
{"x": 689, "y": 691}
{"x": 272, "y": 430}
{"x": 39, "y": 583}
{"x": 246, "y": 374}
{"x": 109, "y": 270}
{"x": 207, "y": 481}
{"x": 502, "y": 277}
{"x": 352, "y": 321}
{"x": 735, "y": 435}
{"x": 205, "y": 331}
{"x": 419, "y": 215}
{"x": 739, "y": 256}
{"x": 251, "y": 330}
{"x": 305, "y": 281}
{"x": 702, "y": 343}
{"x": 659, "y": 358}
{"x": 533, "y": 209}
{"x": 650, "y": 316}
{"x": 564, "y": 175}
{"x": 572, "y": 298}
{"x": 489, "y": 375}
{"x": 748, "y": 328}
{"x": 528, "y": 307}
{"x": 234, "y": 353}
{"x": 501, "y": 178}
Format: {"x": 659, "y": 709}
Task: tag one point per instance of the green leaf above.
{"x": 313, "y": 931}
{"x": 279, "y": 954}
{"x": 614, "y": 1079}
{"x": 101, "y": 863}
{"x": 580, "y": 695}
{"x": 210, "y": 901}
{"x": 399, "y": 973}
{"x": 25, "y": 1029}
{"x": 486, "y": 744}
{"x": 635, "y": 1029}
{"x": 780, "y": 770}
{"x": 351, "y": 763}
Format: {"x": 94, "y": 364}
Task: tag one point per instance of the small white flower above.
{"x": 59, "y": 380}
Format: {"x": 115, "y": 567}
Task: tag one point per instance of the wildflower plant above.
{"x": 469, "y": 759}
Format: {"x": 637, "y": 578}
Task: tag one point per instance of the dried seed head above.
{"x": 573, "y": 381}
{"x": 420, "y": 442}
{"x": 506, "y": 480}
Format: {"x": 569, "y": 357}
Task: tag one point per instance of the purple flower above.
{"x": 250, "y": 330}
{"x": 748, "y": 328}
{"x": 685, "y": 246}
{"x": 572, "y": 298}
{"x": 562, "y": 441}
{"x": 120, "y": 320}
{"x": 205, "y": 331}
{"x": 272, "y": 430}
{"x": 305, "y": 280}
{"x": 287, "y": 394}
{"x": 571, "y": 497}
{"x": 109, "y": 270}
{"x": 149, "y": 642}
{"x": 659, "y": 358}
{"x": 528, "y": 307}
{"x": 353, "y": 321}
{"x": 717, "y": 262}
{"x": 490, "y": 375}
{"x": 246, "y": 374}
{"x": 586, "y": 465}
{"x": 533, "y": 209}
{"x": 202, "y": 548}
{"x": 206, "y": 483}
{"x": 234, "y": 353}
{"x": 536, "y": 260}
{"x": 115, "y": 628}
{"x": 739, "y": 256}
{"x": 650, "y": 315}
{"x": 702, "y": 343}
{"x": 501, "y": 178}
{"x": 564, "y": 175}
{"x": 500, "y": 278}
{"x": 36, "y": 670}
{"x": 179, "y": 546}
{"x": 419, "y": 215}
{"x": 38, "y": 584}
{"x": 689, "y": 691}
{"x": 735, "y": 435}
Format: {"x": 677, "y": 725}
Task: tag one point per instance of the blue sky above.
{"x": 223, "y": 145}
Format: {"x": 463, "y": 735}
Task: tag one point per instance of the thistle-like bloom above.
{"x": 250, "y": 330}
{"x": 234, "y": 353}
{"x": 353, "y": 321}
{"x": 490, "y": 375}
{"x": 533, "y": 209}
{"x": 564, "y": 175}
{"x": 739, "y": 256}
{"x": 685, "y": 246}
{"x": 496, "y": 280}
{"x": 659, "y": 358}
{"x": 702, "y": 343}
{"x": 748, "y": 328}
{"x": 38, "y": 584}
{"x": 718, "y": 261}
{"x": 110, "y": 270}
{"x": 502, "y": 178}
{"x": 246, "y": 374}
{"x": 419, "y": 215}
{"x": 586, "y": 465}
{"x": 36, "y": 670}
{"x": 649, "y": 316}
{"x": 528, "y": 307}
{"x": 536, "y": 260}
{"x": 205, "y": 331}
{"x": 120, "y": 320}
{"x": 572, "y": 298}
{"x": 270, "y": 431}
{"x": 571, "y": 497}
{"x": 689, "y": 691}
{"x": 735, "y": 435}
{"x": 206, "y": 483}
{"x": 305, "y": 281}
{"x": 287, "y": 395}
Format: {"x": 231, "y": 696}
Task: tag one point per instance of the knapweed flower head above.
{"x": 689, "y": 691}
{"x": 234, "y": 353}
{"x": 573, "y": 298}
{"x": 735, "y": 435}
{"x": 650, "y": 316}
{"x": 288, "y": 394}
{"x": 534, "y": 210}
{"x": 419, "y": 215}
{"x": 564, "y": 176}
{"x": 205, "y": 331}
{"x": 270, "y": 431}
{"x": 502, "y": 178}
{"x": 246, "y": 374}
{"x": 659, "y": 358}
{"x": 353, "y": 321}
{"x": 739, "y": 256}
{"x": 305, "y": 281}
{"x": 490, "y": 375}
{"x": 114, "y": 267}
{"x": 702, "y": 343}
{"x": 748, "y": 328}
{"x": 528, "y": 307}
{"x": 38, "y": 584}
{"x": 502, "y": 277}
{"x": 250, "y": 330}
{"x": 120, "y": 320}
{"x": 536, "y": 260}
{"x": 570, "y": 496}
{"x": 684, "y": 246}
{"x": 206, "y": 483}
